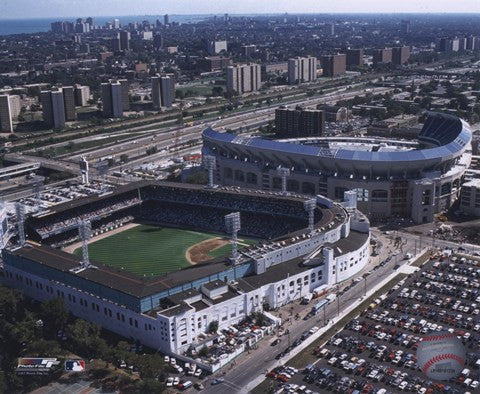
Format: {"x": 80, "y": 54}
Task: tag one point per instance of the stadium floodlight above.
{"x": 84, "y": 168}
{"x": 283, "y": 172}
{"x": 20, "y": 212}
{"x": 309, "y": 206}
{"x": 232, "y": 223}
{"x": 37, "y": 185}
{"x": 210, "y": 163}
{"x": 85, "y": 232}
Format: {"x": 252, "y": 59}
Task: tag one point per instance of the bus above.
{"x": 319, "y": 305}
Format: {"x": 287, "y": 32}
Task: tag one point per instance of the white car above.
{"x": 166, "y": 360}
{"x": 176, "y": 381}
{"x": 198, "y": 372}
{"x": 403, "y": 385}
{"x": 169, "y": 382}
{"x": 173, "y": 361}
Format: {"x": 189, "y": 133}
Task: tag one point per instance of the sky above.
{"x": 21, "y": 9}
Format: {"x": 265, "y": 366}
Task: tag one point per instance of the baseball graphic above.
{"x": 441, "y": 356}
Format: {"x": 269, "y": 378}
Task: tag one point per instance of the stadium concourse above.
{"x": 392, "y": 178}
{"x": 172, "y": 312}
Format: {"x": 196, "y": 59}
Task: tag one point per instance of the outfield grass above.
{"x": 148, "y": 250}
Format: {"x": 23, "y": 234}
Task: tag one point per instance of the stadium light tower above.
{"x": 84, "y": 168}
{"x": 37, "y": 185}
{"x": 20, "y": 212}
{"x": 232, "y": 222}
{"x": 310, "y": 208}
{"x": 210, "y": 162}
{"x": 283, "y": 172}
{"x": 85, "y": 232}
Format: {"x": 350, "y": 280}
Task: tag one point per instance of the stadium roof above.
{"x": 151, "y": 183}
{"x": 119, "y": 280}
{"x": 445, "y": 137}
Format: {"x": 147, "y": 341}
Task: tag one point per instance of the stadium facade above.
{"x": 170, "y": 312}
{"x": 392, "y": 178}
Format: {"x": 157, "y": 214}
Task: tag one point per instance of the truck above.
{"x": 331, "y": 297}
{"x": 307, "y": 298}
{"x": 320, "y": 291}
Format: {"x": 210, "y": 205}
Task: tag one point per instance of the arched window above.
{"x": 239, "y": 176}
{"x": 228, "y": 173}
{"x": 308, "y": 188}
{"x": 293, "y": 185}
{"x": 251, "y": 178}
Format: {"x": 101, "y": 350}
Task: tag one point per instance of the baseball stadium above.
{"x": 162, "y": 256}
{"x": 392, "y": 178}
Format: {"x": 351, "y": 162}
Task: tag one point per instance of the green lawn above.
{"x": 147, "y": 250}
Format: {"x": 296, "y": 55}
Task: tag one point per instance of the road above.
{"x": 249, "y": 366}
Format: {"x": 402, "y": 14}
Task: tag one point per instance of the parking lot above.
{"x": 375, "y": 352}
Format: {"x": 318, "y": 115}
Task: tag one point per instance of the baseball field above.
{"x": 151, "y": 250}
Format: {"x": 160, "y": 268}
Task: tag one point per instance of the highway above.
{"x": 163, "y": 139}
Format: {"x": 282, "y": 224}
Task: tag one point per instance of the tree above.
{"x": 54, "y": 314}
{"x": 217, "y": 91}
{"x": 9, "y": 302}
{"x": 150, "y": 366}
{"x": 198, "y": 178}
{"x": 203, "y": 352}
{"x": 41, "y": 347}
{"x": 152, "y": 150}
{"x": 213, "y": 327}
{"x": 84, "y": 336}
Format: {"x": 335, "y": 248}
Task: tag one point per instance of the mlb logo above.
{"x": 75, "y": 365}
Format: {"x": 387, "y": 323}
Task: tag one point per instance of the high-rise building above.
{"x": 405, "y": 27}
{"x": 124, "y": 37}
{"x": 112, "y": 105}
{"x": 382, "y": 56}
{"x": 56, "y": 27}
{"x": 116, "y": 46}
{"x": 125, "y": 94}
{"x": 455, "y": 44}
{"x": 329, "y": 29}
{"x": 163, "y": 91}
{"x": 243, "y": 78}
{"x": 334, "y": 65}
{"x": 248, "y": 50}
{"x": 215, "y": 47}
{"x": 299, "y": 122}
{"x": 472, "y": 43}
{"x": 166, "y": 19}
{"x": 69, "y": 103}
{"x": 6, "y": 124}
{"x": 116, "y": 24}
{"x": 53, "y": 107}
{"x": 445, "y": 45}
{"x": 302, "y": 69}
{"x": 82, "y": 95}
{"x": 400, "y": 55}
{"x": 15, "y": 106}
{"x": 158, "y": 41}
{"x": 354, "y": 57}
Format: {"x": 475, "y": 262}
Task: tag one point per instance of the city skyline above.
{"x": 27, "y": 9}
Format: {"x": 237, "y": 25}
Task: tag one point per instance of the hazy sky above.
{"x": 56, "y": 8}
